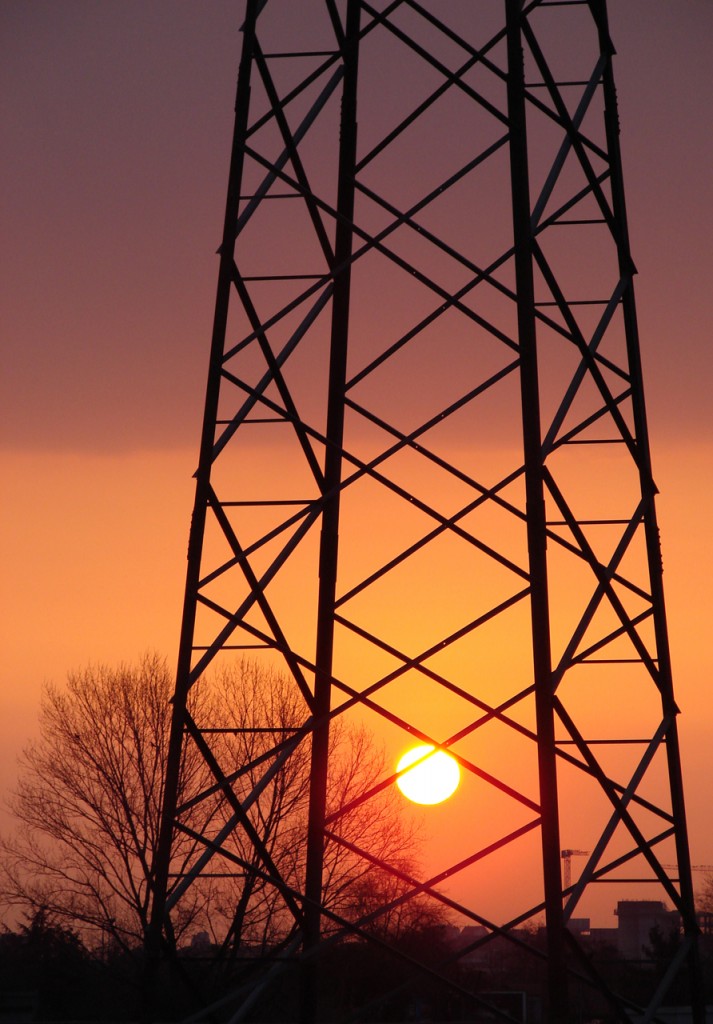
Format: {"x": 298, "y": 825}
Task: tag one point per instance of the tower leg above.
{"x": 536, "y": 532}
{"x": 184, "y": 678}
{"x": 673, "y": 754}
{"x": 329, "y": 539}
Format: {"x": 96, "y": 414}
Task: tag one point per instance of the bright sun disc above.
{"x": 433, "y": 779}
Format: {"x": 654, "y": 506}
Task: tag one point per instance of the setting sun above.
{"x": 433, "y": 778}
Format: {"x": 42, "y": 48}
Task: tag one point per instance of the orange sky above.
{"x": 118, "y": 118}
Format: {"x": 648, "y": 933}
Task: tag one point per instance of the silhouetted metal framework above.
{"x": 425, "y": 496}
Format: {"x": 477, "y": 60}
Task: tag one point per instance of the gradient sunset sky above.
{"x": 116, "y": 119}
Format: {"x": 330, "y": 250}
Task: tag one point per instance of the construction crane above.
{"x": 694, "y": 867}
{"x": 566, "y": 856}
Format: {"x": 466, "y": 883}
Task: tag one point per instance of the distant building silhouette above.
{"x": 637, "y": 919}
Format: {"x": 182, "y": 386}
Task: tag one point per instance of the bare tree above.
{"x": 87, "y": 807}
{"x": 705, "y": 900}
{"x": 87, "y": 804}
{"x": 251, "y": 908}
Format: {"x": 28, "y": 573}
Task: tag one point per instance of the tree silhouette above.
{"x": 87, "y": 804}
{"x": 45, "y": 965}
{"x": 705, "y": 900}
{"x": 87, "y": 808}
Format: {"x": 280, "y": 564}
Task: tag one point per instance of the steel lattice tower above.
{"x": 425, "y": 497}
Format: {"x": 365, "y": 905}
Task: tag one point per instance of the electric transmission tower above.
{"x": 425, "y": 497}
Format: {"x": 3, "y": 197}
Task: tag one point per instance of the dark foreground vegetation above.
{"x": 48, "y": 974}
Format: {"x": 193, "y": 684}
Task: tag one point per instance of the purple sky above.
{"x": 116, "y": 121}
